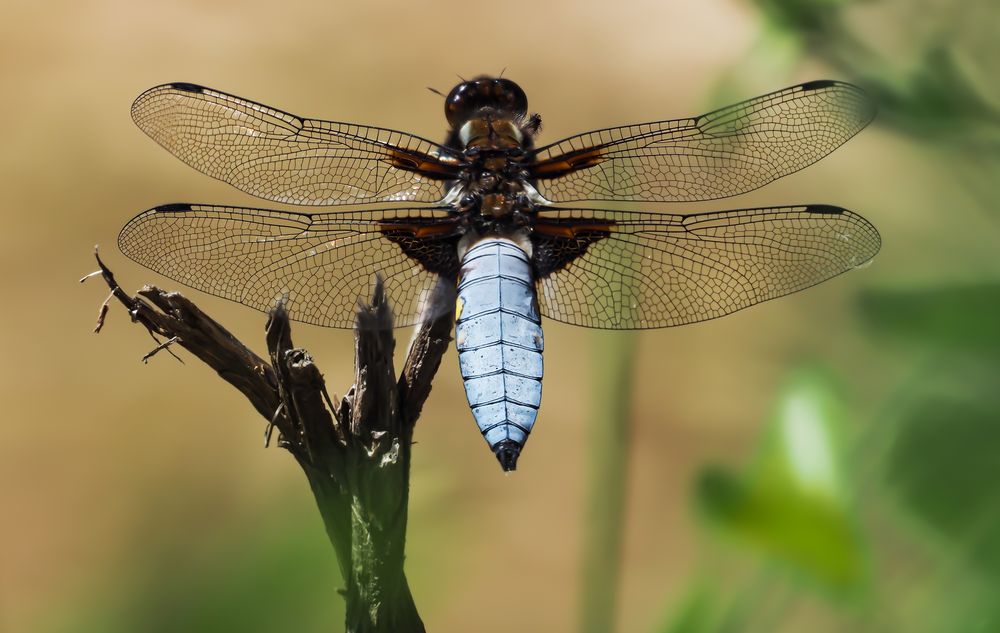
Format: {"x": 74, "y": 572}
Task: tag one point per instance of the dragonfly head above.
{"x": 490, "y": 113}
{"x": 500, "y": 95}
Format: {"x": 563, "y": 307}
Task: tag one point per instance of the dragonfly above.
{"x": 512, "y": 227}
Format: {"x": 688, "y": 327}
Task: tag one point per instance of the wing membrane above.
{"x": 723, "y": 153}
{"x": 656, "y": 270}
{"x": 282, "y": 157}
{"x": 322, "y": 262}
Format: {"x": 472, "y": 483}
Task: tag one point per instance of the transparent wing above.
{"x": 649, "y": 270}
{"x": 323, "y": 263}
{"x": 723, "y": 153}
{"x": 282, "y": 157}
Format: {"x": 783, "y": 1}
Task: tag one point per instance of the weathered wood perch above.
{"x": 355, "y": 453}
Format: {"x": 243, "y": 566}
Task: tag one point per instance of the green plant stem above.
{"x": 610, "y": 433}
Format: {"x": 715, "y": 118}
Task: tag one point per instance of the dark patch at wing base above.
{"x": 437, "y": 254}
{"x": 566, "y": 164}
{"x": 556, "y": 244}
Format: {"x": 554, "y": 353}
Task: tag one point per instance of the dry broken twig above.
{"x": 355, "y": 453}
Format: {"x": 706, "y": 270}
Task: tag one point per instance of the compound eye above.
{"x": 510, "y": 95}
{"x": 458, "y": 104}
{"x": 468, "y": 97}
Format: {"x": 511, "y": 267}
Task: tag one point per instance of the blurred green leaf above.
{"x": 698, "y": 613}
{"x": 944, "y": 467}
{"x": 934, "y": 98}
{"x": 954, "y": 317}
{"x": 985, "y": 619}
{"x": 803, "y": 16}
{"x": 269, "y": 576}
{"x": 793, "y": 504}
{"x": 938, "y": 97}
{"x": 941, "y": 89}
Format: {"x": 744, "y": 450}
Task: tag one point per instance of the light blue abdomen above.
{"x": 499, "y": 340}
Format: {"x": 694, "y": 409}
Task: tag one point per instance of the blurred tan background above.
{"x": 140, "y": 498}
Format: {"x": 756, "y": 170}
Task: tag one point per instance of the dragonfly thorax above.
{"x": 490, "y": 131}
{"x": 494, "y": 204}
